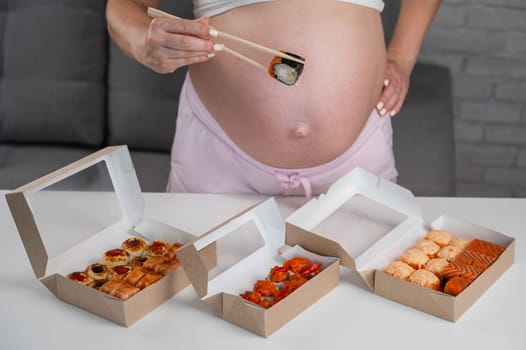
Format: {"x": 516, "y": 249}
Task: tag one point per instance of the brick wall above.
{"x": 484, "y": 44}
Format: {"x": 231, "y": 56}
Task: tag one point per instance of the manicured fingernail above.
{"x": 210, "y": 55}
{"x": 213, "y": 32}
{"x": 393, "y": 113}
{"x": 383, "y": 111}
{"x": 386, "y": 82}
{"x": 379, "y": 106}
{"x": 218, "y": 47}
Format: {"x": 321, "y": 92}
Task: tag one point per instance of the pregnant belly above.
{"x": 318, "y": 119}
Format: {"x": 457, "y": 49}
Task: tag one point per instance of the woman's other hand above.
{"x": 411, "y": 27}
{"x": 394, "y": 92}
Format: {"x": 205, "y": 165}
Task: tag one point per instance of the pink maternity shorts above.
{"x": 206, "y": 160}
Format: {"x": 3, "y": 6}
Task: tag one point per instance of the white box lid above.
{"x": 262, "y": 222}
{"x": 33, "y": 228}
{"x": 365, "y": 215}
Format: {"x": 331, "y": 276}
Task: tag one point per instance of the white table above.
{"x": 349, "y": 317}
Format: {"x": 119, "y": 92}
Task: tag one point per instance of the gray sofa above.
{"x": 66, "y": 91}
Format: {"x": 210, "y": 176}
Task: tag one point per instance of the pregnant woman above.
{"x": 240, "y": 131}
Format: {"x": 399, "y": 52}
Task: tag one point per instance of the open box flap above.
{"x": 124, "y": 180}
{"x": 266, "y": 218}
{"x": 357, "y": 181}
{"x": 368, "y": 195}
{"x": 314, "y": 242}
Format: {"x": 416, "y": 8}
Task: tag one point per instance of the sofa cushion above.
{"x": 142, "y": 104}
{"x": 21, "y": 164}
{"x": 3, "y": 20}
{"x": 54, "y": 72}
{"x": 152, "y": 170}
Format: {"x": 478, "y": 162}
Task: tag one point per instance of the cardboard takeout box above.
{"x": 247, "y": 248}
{"x": 64, "y": 230}
{"x": 368, "y": 222}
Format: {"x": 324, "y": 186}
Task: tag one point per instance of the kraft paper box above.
{"x": 248, "y": 246}
{"x": 65, "y": 230}
{"x": 368, "y": 222}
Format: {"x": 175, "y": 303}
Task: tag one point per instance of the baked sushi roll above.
{"x": 459, "y": 243}
{"x": 148, "y": 279}
{"x": 116, "y": 257}
{"x": 171, "y": 253}
{"x": 449, "y": 252}
{"x": 425, "y": 279}
{"x": 156, "y": 248}
{"x": 440, "y": 237}
{"x": 251, "y": 296}
{"x": 80, "y": 277}
{"x": 111, "y": 286}
{"x": 134, "y": 246}
{"x": 311, "y": 270}
{"x": 437, "y": 266}
{"x": 284, "y": 70}
{"x": 126, "y": 291}
{"x": 154, "y": 263}
{"x": 278, "y": 274}
{"x": 135, "y": 275}
{"x": 266, "y": 288}
{"x": 296, "y": 264}
{"x": 97, "y": 284}
{"x": 120, "y": 272}
{"x": 98, "y": 271}
{"x": 138, "y": 261}
{"x": 119, "y": 289}
{"x": 294, "y": 281}
{"x": 415, "y": 258}
{"x": 428, "y": 246}
{"x": 399, "y": 269}
{"x": 168, "y": 266}
{"x": 267, "y": 302}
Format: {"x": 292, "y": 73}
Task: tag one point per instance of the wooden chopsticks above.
{"x": 259, "y": 47}
{"x": 152, "y": 12}
{"x": 245, "y": 58}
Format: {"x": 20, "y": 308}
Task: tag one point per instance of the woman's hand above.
{"x": 172, "y": 43}
{"x": 396, "y": 85}
{"x": 413, "y": 22}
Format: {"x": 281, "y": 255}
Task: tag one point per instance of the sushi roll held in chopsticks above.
{"x": 284, "y": 70}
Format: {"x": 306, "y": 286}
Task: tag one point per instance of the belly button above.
{"x": 301, "y": 130}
